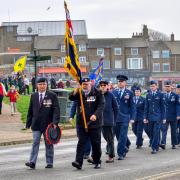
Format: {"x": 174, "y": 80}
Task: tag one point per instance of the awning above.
{"x": 47, "y": 70}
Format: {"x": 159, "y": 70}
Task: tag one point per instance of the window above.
{"x": 117, "y": 51}
{"x": 9, "y": 29}
{"x": 63, "y": 48}
{"x": 82, "y": 59}
{"x": 166, "y": 67}
{"x": 100, "y": 52}
{"x": 135, "y": 63}
{"x": 24, "y": 38}
{"x": 134, "y": 51}
{"x": 165, "y": 54}
{"x": 106, "y": 64}
{"x": 82, "y": 47}
{"x": 155, "y": 54}
{"x": 156, "y": 67}
{"x": 94, "y": 64}
{"x": 62, "y": 60}
{"x": 118, "y": 64}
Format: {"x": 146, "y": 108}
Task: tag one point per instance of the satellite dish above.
{"x": 29, "y": 30}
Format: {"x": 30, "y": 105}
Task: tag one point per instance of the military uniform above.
{"x": 124, "y": 98}
{"x": 138, "y": 125}
{"x": 154, "y": 113}
{"x": 178, "y": 121}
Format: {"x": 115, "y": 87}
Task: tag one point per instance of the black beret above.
{"x": 86, "y": 79}
{"x": 167, "y": 83}
{"x": 53, "y": 135}
{"x": 178, "y": 85}
{"x": 42, "y": 79}
{"x": 137, "y": 88}
{"x": 122, "y": 77}
{"x": 104, "y": 82}
{"x": 153, "y": 82}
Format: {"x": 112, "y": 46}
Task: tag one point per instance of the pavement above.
{"x": 12, "y": 129}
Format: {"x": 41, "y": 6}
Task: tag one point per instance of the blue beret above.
{"x": 122, "y": 77}
{"x": 104, "y": 82}
{"x": 137, "y": 88}
{"x": 167, "y": 83}
{"x": 42, "y": 79}
{"x": 85, "y": 79}
{"x": 153, "y": 82}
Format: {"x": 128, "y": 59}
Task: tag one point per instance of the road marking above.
{"x": 161, "y": 175}
{"x": 100, "y": 174}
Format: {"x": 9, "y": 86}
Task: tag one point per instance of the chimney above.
{"x": 172, "y": 37}
{"x": 145, "y": 32}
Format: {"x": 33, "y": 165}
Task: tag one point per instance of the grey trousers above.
{"x": 35, "y": 149}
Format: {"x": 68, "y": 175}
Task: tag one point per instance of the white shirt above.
{"x": 26, "y": 81}
{"x": 43, "y": 94}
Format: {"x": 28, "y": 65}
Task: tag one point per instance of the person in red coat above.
{"x": 13, "y": 95}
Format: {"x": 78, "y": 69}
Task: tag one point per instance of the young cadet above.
{"x": 93, "y": 101}
{"x": 138, "y": 125}
{"x": 126, "y": 114}
{"x": 171, "y": 103}
{"x": 154, "y": 114}
{"x": 110, "y": 113}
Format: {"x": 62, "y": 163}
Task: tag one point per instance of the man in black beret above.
{"x": 43, "y": 110}
{"x": 93, "y": 101}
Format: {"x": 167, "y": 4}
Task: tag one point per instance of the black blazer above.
{"x": 39, "y": 117}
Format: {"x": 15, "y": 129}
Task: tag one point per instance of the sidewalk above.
{"x": 11, "y": 129}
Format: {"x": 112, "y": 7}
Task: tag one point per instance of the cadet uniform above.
{"x": 126, "y": 113}
{"x": 154, "y": 113}
{"x": 138, "y": 125}
{"x": 171, "y": 103}
{"x": 93, "y": 105}
{"x": 178, "y": 121}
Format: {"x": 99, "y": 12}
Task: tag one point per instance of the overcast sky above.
{"x": 104, "y": 18}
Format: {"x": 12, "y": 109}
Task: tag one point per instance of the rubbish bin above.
{"x": 64, "y": 103}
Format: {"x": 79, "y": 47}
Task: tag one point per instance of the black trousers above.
{"x": 107, "y": 132}
{"x": 1, "y": 98}
{"x": 95, "y": 137}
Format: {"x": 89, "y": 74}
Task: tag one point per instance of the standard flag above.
{"x": 20, "y": 64}
{"x": 71, "y": 64}
{"x": 97, "y": 74}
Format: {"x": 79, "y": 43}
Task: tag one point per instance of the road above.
{"x": 139, "y": 164}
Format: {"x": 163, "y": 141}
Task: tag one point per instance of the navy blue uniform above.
{"x": 171, "y": 101}
{"x": 126, "y": 113}
{"x": 178, "y": 121}
{"x": 154, "y": 113}
{"x": 138, "y": 125}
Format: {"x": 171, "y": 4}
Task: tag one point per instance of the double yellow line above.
{"x": 161, "y": 175}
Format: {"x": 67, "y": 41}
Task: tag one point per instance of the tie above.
{"x": 168, "y": 95}
{"x": 136, "y": 100}
{"x": 120, "y": 93}
{"x": 41, "y": 100}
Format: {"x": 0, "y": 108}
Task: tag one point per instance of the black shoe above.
{"x": 97, "y": 166}
{"x": 30, "y": 164}
{"x": 138, "y": 147}
{"x": 153, "y": 152}
{"x": 163, "y": 146}
{"x": 76, "y": 165}
{"x": 173, "y": 147}
{"x": 49, "y": 166}
{"x": 90, "y": 160}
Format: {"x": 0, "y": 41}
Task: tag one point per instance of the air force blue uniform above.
{"x": 171, "y": 101}
{"x": 126, "y": 113}
{"x": 138, "y": 125}
{"x": 154, "y": 113}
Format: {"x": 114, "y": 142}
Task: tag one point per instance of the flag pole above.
{"x": 83, "y": 111}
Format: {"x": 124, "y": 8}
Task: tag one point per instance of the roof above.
{"x": 47, "y": 28}
{"x": 119, "y": 42}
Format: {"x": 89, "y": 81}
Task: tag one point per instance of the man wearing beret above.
{"x": 154, "y": 114}
{"x": 110, "y": 113}
{"x": 43, "y": 110}
{"x": 178, "y": 118}
{"x": 171, "y": 100}
{"x": 126, "y": 114}
{"x": 93, "y": 101}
